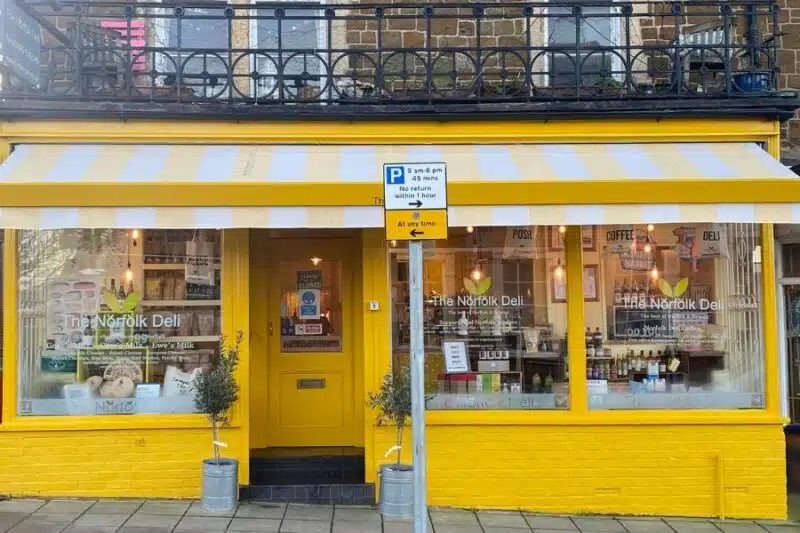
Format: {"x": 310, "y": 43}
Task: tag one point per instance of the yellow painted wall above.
{"x": 640, "y": 470}
{"x": 160, "y": 463}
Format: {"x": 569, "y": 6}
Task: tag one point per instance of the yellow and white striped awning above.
{"x": 327, "y": 186}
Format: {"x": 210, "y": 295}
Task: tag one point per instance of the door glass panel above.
{"x": 311, "y": 306}
{"x": 792, "y": 300}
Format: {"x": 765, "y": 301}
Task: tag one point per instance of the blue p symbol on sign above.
{"x": 395, "y": 176}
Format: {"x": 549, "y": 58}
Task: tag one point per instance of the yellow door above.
{"x": 310, "y": 382}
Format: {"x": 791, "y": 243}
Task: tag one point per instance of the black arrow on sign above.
{"x": 414, "y": 233}
{"x": 416, "y": 204}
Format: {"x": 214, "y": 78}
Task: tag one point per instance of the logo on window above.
{"x": 673, "y": 291}
{"x": 476, "y": 288}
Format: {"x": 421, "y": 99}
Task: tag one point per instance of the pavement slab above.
{"x": 155, "y": 521}
{"x": 200, "y": 523}
{"x": 164, "y": 507}
{"x": 63, "y": 519}
{"x": 274, "y": 511}
{"x": 560, "y": 523}
{"x": 459, "y": 529}
{"x": 357, "y": 515}
{"x": 780, "y": 528}
{"x": 505, "y": 530}
{"x": 305, "y": 526}
{"x": 83, "y": 529}
{"x": 455, "y": 517}
{"x": 358, "y": 526}
{"x": 254, "y": 524}
{"x": 66, "y": 506}
{"x": 197, "y": 509}
{"x": 300, "y": 511}
{"x": 691, "y": 526}
{"x": 502, "y": 519}
{"x": 102, "y": 520}
{"x": 115, "y": 507}
{"x": 739, "y": 526}
{"x": 599, "y": 524}
{"x": 23, "y": 505}
{"x": 36, "y": 528}
{"x": 649, "y": 525}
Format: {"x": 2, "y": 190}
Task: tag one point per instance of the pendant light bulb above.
{"x": 562, "y": 229}
{"x": 470, "y": 229}
{"x": 650, "y": 227}
{"x": 393, "y": 243}
{"x": 135, "y": 235}
{"x": 654, "y": 273}
{"x": 647, "y": 248}
{"x": 559, "y": 271}
{"x": 129, "y": 274}
{"x": 476, "y": 274}
{"x": 315, "y": 260}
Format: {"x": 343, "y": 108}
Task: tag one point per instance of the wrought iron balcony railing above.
{"x": 292, "y": 53}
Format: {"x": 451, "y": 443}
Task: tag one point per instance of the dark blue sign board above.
{"x": 20, "y": 43}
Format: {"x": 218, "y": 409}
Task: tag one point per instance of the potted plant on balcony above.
{"x": 215, "y": 392}
{"x": 393, "y": 401}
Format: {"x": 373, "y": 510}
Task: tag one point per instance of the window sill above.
{"x": 109, "y": 422}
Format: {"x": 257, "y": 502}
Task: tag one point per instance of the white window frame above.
{"x": 322, "y": 39}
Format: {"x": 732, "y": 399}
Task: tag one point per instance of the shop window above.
{"x": 494, "y": 319}
{"x": 116, "y": 321}
{"x": 673, "y": 317}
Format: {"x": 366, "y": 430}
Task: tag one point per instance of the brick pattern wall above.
{"x": 789, "y": 62}
{"x": 162, "y": 463}
{"x": 634, "y": 470}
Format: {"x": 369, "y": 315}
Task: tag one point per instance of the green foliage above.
{"x": 216, "y": 390}
{"x": 393, "y": 401}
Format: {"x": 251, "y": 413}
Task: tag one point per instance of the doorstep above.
{"x": 346, "y": 494}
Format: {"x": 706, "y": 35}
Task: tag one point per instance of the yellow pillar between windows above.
{"x": 576, "y": 348}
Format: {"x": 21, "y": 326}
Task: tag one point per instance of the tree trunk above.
{"x": 215, "y": 439}
{"x": 399, "y": 445}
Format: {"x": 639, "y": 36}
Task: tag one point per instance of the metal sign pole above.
{"x": 418, "y": 387}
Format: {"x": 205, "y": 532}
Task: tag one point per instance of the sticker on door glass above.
{"x": 309, "y": 304}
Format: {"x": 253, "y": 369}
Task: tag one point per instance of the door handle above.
{"x": 269, "y": 329}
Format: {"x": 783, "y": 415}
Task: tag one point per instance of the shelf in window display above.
{"x": 170, "y": 266}
{"x": 181, "y": 303}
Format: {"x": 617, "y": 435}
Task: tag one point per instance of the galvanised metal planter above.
{"x": 397, "y": 491}
{"x": 220, "y": 484}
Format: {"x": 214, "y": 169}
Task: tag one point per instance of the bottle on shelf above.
{"x": 588, "y": 370}
{"x": 536, "y": 383}
{"x": 597, "y": 340}
{"x": 596, "y": 370}
{"x": 626, "y": 293}
{"x": 641, "y": 363}
{"x": 643, "y": 294}
{"x": 548, "y": 383}
{"x": 662, "y": 363}
{"x": 590, "y": 353}
{"x": 617, "y": 293}
{"x": 121, "y": 292}
{"x": 113, "y": 289}
{"x": 88, "y": 333}
{"x": 651, "y": 293}
{"x": 614, "y": 368}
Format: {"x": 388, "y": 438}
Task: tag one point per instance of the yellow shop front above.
{"x": 610, "y": 286}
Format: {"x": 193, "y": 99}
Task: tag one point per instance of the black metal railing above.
{"x": 291, "y": 53}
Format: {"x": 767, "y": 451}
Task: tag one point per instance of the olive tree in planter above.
{"x": 393, "y": 401}
{"x": 215, "y": 392}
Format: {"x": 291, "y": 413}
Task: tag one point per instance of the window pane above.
{"x": 116, "y": 321}
{"x": 495, "y": 302}
{"x": 311, "y": 307}
{"x": 673, "y": 317}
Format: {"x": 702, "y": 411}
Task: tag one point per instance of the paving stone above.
{"x": 52, "y": 518}
{"x": 305, "y": 526}
{"x": 461, "y": 529}
{"x": 599, "y": 525}
{"x": 549, "y": 530}
{"x": 261, "y": 510}
{"x": 102, "y": 520}
{"x": 399, "y": 527}
{"x": 453, "y": 517}
{"x": 356, "y": 526}
{"x": 692, "y": 526}
{"x": 82, "y": 529}
{"x": 115, "y": 507}
{"x": 505, "y": 530}
{"x": 66, "y": 506}
{"x": 739, "y": 527}
{"x": 197, "y": 509}
{"x": 195, "y": 523}
{"x": 9, "y": 520}
{"x": 23, "y": 505}
{"x": 140, "y": 519}
{"x": 171, "y": 508}
{"x": 561, "y": 523}
{"x": 356, "y": 515}
{"x": 253, "y": 524}
{"x": 500, "y": 519}
{"x": 649, "y": 525}
{"x": 301, "y": 511}
{"x": 134, "y": 529}
{"x": 36, "y": 528}
{"x": 780, "y": 528}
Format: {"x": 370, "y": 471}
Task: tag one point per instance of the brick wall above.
{"x": 635, "y": 470}
{"x": 163, "y": 463}
{"x": 789, "y": 62}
